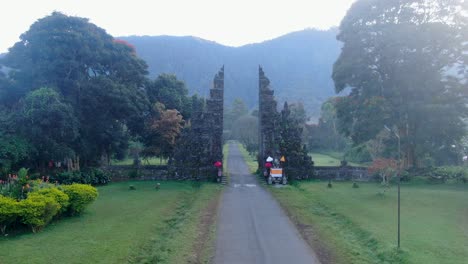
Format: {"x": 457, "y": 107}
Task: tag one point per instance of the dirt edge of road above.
{"x": 324, "y": 254}
{"x": 205, "y": 243}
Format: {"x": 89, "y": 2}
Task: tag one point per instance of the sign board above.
{"x": 276, "y": 172}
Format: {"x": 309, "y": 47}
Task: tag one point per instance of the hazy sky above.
{"x": 233, "y": 23}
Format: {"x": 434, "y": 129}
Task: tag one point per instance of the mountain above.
{"x": 299, "y": 65}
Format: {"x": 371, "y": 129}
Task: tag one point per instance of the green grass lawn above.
{"x": 148, "y": 161}
{"x": 249, "y": 159}
{"x": 321, "y": 159}
{"x": 360, "y": 226}
{"x": 140, "y": 226}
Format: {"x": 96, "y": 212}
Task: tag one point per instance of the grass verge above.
{"x": 125, "y": 226}
{"x": 225, "y": 161}
{"x": 249, "y": 159}
{"x": 144, "y": 161}
{"x": 356, "y": 225}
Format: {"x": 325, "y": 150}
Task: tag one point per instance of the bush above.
{"x": 134, "y": 173}
{"x": 38, "y": 210}
{"x": 457, "y": 173}
{"x": 80, "y": 196}
{"x": 68, "y": 177}
{"x": 358, "y": 154}
{"x": 59, "y": 196}
{"x": 98, "y": 176}
{"x": 92, "y": 176}
{"x": 9, "y": 212}
{"x": 37, "y": 185}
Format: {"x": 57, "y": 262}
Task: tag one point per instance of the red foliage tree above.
{"x": 385, "y": 168}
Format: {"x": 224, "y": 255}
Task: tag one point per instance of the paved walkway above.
{"x": 252, "y": 228}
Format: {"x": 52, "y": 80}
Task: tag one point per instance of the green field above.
{"x": 321, "y": 159}
{"x": 358, "y": 225}
{"x": 135, "y": 226}
{"x": 144, "y": 161}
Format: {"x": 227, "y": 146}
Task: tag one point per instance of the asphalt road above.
{"x": 252, "y": 228}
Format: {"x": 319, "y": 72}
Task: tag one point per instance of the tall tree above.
{"x": 233, "y": 113}
{"x": 162, "y": 131}
{"x": 245, "y": 129}
{"x": 49, "y": 124}
{"x": 298, "y": 163}
{"x": 171, "y": 92}
{"x": 100, "y": 77}
{"x": 406, "y": 65}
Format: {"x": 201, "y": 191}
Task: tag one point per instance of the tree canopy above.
{"x": 405, "y": 63}
{"x": 74, "y": 90}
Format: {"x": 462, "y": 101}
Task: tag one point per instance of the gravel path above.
{"x": 252, "y": 228}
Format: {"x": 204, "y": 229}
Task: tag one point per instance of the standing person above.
{"x": 219, "y": 166}
{"x": 268, "y": 165}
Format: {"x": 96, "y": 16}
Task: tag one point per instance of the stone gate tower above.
{"x": 214, "y": 115}
{"x": 268, "y": 117}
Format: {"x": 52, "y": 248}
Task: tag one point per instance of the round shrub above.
{"x": 38, "y": 210}
{"x": 9, "y": 212}
{"x": 98, "y": 176}
{"x": 59, "y": 196}
{"x": 80, "y": 196}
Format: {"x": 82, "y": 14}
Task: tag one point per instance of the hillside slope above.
{"x": 298, "y": 64}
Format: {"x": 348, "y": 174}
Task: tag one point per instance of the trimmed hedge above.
{"x": 9, "y": 212}
{"x": 80, "y": 196}
{"x": 45, "y": 203}
{"x": 38, "y": 210}
{"x": 61, "y": 197}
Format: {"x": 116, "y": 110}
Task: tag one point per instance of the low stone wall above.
{"x": 125, "y": 173}
{"x": 342, "y": 173}
{"x": 154, "y": 173}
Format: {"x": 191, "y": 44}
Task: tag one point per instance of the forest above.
{"x": 72, "y": 95}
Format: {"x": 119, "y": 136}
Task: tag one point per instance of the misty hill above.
{"x": 299, "y": 65}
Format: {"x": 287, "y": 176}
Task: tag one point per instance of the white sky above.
{"x": 233, "y": 22}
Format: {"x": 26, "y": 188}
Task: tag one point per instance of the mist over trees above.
{"x": 405, "y": 62}
{"x": 299, "y": 65}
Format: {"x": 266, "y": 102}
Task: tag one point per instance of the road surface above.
{"x": 252, "y": 228}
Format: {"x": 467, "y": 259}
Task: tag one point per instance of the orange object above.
{"x": 276, "y": 172}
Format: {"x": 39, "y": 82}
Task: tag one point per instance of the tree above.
{"x": 99, "y": 77}
{"x": 245, "y": 129}
{"x": 171, "y": 92}
{"x": 325, "y": 134}
{"x": 298, "y": 163}
{"x": 233, "y": 113}
{"x": 49, "y": 124}
{"x": 385, "y": 168}
{"x": 405, "y": 62}
{"x": 163, "y": 131}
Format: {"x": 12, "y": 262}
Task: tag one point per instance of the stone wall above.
{"x": 125, "y": 173}
{"x": 342, "y": 173}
